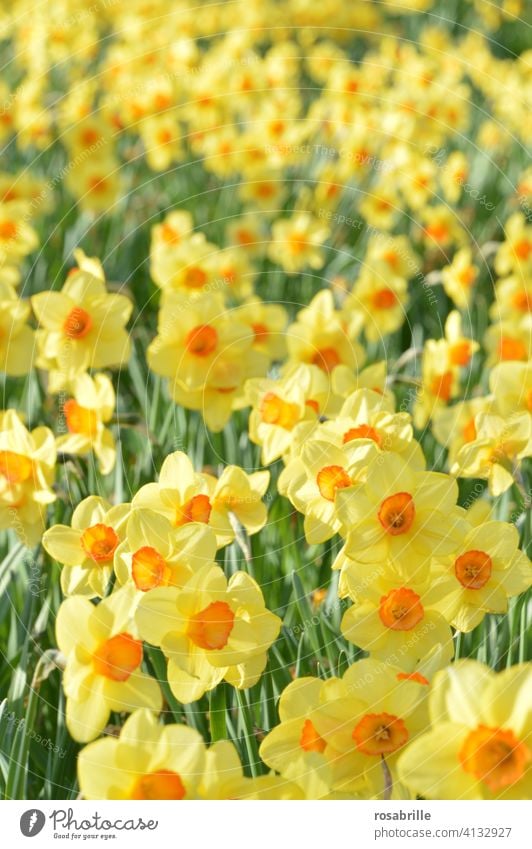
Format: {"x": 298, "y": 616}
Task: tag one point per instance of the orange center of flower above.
{"x": 99, "y": 542}
{"x": 228, "y": 274}
{"x": 326, "y": 359}
{"x": 528, "y": 400}
{"x": 362, "y": 432}
{"x": 397, "y": 513}
{"x": 297, "y": 244}
{"x": 512, "y": 349}
{"x": 195, "y": 278}
{"x": 437, "y": 231}
{"x": 265, "y": 190}
{"x": 391, "y": 258}
{"x": 273, "y": 410}
{"x": 162, "y": 100}
{"x": 164, "y": 136}
{"x": 523, "y": 249}
{"x": 460, "y": 353}
{"x": 97, "y": 184}
{"x": 244, "y": 237}
{"x": 149, "y": 569}
{"x": 163, "y": 784}
{"x": 210, "y": 628}
{"x": 469, "y": 432}
{"x": 384, "y": 299}
{"x": 413, "y": 676}
{"x": 117, "y": 657}
{"x": 441, "y": 386}
{"x": 77, "y": 324}
{"x": 313, "y": 406}
{"x": 80, "y": 419}
{"x": 198, "y": 509}
{"x": 89, "y": 136}
{"x": 330, "y": 479}
{"x": 310, "y": 740}
{"x": 494, "y": 756}
{"x": 202, "y": 340}
{"x": 16, "y": 468}
{"x": 522, "y": 301}
{"x": 380, "y": 734}
{"x": 169, "y": 235}
{"x": 401, "y": 610}
{"x": 8, "y": 230}
{"x": 260, "y": 330}
{"x": 473, "y": 569}
{"x": 467, "y": 276}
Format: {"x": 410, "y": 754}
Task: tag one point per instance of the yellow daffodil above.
{"x": 94, "y": 180}
{"x": 17, "y": 236}
{"x": 103, "y": 663}
{"x": 461, "y": 348}
{"x": 479, "y": 745}
{"x": 182, "y": 261}
{"x": 399, "y": 514}
{"x": 85, "y": 416}
{"x": 87, "y": 547}
{"x": 212, "y": 629}
{"x": 325, "y": 337}
{"x": 239, "y": 495}
{"x": 455, "y": 426}
{"x": 366, "y": 414}
{"x": 515, "y": 253}
{"x": 314, "y": 479}
{"x": 382, "y": 301}
{"x": 297, "y": 242}
{"x": 392, "y": 254}
{"x": 16, "y": 337}
{"x": 280, "y": 405}
{"x": 397, "y": 622}
{"x": 170, "y": 762}
{"x": 181, "y": 494}
{"x": 440, "y": 380}
{"x": 155, "y": 553}
{"x": 459, "y": 278}
{"x": 206, "y": 354}
{"x": 509, "y": 341}
{"x": 82, "y": 326}
{"x": 295, "y": 740}
{"x": 27, "y": 472}
{"x": 513, "y": 299}
{"x": 147, "y": 761}
{"x": 377, "y": 711}
{"x": 497, "y": 449}
{"x": 480, "y": 576}
{"x": 511, "y": 385}
{"x": 268, "y": 323}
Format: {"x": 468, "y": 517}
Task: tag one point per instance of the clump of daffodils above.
{"x": 330, "y": 292}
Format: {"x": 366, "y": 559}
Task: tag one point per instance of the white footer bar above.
{"x": 267, "y": 825}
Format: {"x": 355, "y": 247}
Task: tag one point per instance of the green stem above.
{"x": 217, "y": 713}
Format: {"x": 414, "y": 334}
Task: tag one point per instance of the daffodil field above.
{"x": 266, "y": 427}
